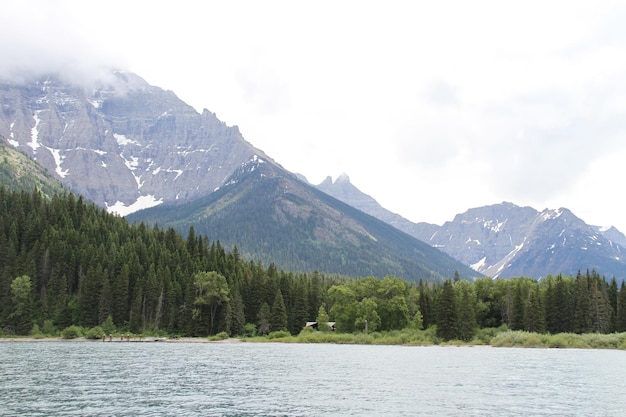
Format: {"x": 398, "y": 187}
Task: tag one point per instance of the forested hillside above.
{"x": 66, "y": 262}
{"x": 19, "y": 172}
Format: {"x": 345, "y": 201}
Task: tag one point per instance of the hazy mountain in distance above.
{"x": 505, "y": 240}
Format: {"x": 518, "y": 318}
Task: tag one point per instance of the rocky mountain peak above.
{"x": 123, "y": 143}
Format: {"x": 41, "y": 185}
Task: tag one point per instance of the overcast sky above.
{"x": 430, "y": 107}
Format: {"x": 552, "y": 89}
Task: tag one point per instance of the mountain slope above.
{"x": 342, "y": 189}
{"x": 274, "y": 217}
{"x": 505, "y": 240}
{"x": 19, "y": 172}
{"x": 123, "y": 144}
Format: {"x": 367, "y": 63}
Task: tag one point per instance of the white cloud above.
{"x": 432, "y": 108}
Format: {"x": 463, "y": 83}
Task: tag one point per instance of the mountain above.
{"x": 127, "y": 146}
{"x": 19, "y": 172}
{"x": 505, "y": 240}
{"x": 273, "y": 216}
{"x": 122, "y": 143}
{"x": 343, "y": 190}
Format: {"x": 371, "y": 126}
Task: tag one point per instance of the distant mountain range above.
{"x": 128, "y": 146}
{"x": 505, "y": 240}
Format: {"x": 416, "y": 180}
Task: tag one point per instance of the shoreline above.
{"x": 118, "y": 340}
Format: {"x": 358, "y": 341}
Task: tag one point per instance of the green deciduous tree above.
{"x": 343, "y": 310}
{"x": 211, "y": 292}
{"x": 21, "y": 294}
{"x": 367, "y": 317}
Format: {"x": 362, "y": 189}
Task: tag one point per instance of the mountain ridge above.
{"x": 506, "y": 240}
{"x": 273, "y": 216}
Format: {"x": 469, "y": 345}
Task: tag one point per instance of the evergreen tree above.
{"x": 425, "y": 305}
{"x": 517, "y": 306}
{"x": 263, "y": 319}
{"x": 238, "y": 319}
{"x": 300, "y": 309}
{"x": 446, "y": 312}
{"x": 278, "y": 318}
{"x": 322, "y": 319}
{"x": 612, "y": 294}
{"x": 582, "y": 314}
{"x": 466, "y": 310}
{"x": 534, "y": 319}
{"x": 600, "y": 306}
{"x": 621, "y": 308}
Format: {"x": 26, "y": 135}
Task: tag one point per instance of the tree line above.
{"x": 66, "y": 262}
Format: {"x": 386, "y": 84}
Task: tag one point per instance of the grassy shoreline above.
{"x": 486, "y": 337}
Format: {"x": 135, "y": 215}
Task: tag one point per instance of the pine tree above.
{"x": 466, "y": 310}
{"x": 263, "y": 319}
{"x": 612, "y": 294}
{"x": 300, "y": 309}
{"x": 621, "y": 308}
{"x": 446, "y": 313}
{"x": 278, "y": 318}
{"x": 425, "y": 305}
{"x": 534, "y": 320}
{"x": 582, "y": 314}
{"x": 600, "y": 306}
{"x": 517, "y": 306}
{"x": 238, "y": 319}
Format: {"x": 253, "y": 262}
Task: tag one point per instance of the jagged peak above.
{"x": 327, "y": 181}
{"x": 343, "y": 178}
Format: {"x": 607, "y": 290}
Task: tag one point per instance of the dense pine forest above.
{"x": 66, "y": 263}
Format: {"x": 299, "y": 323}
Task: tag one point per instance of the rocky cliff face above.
{"x": 124, "y": 144}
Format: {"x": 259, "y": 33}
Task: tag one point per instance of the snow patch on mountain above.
{"x": 143, "y": 202}
{"x": 58, "y": 159}
{"x": 122, "y": 140}
{"x": 34, "y": 135}
{"x": 480, "y": 264}
{"x": 551, "y": 214}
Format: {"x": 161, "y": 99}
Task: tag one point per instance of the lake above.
{"x": 274, "y": 379}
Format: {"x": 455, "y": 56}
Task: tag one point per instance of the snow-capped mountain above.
{"x": 505, "y": 240}
{"x": 123, "y": 144}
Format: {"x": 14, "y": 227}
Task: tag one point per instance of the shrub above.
{"x": 72, "y": 332}
{"x": 49, "y": 329}
{"x": 36, "y": 333}
{"x": 108, "y": 326}
{"x": 95, "y": 333}
{"x": 219, "y": 336}
{"x": 249, "y": 330}
{"x": 308, "y": 329}
{"x": 278, "y": 334}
